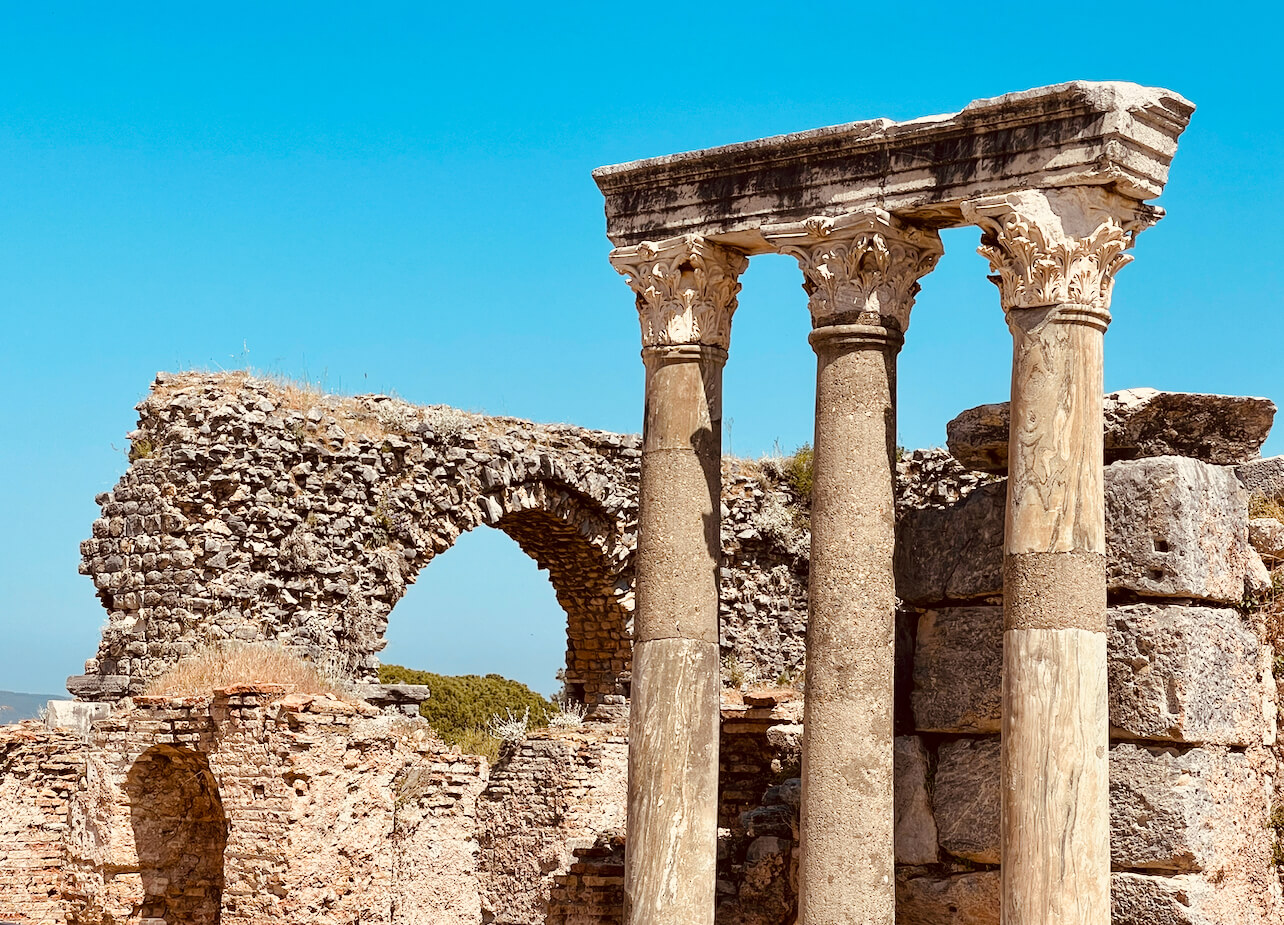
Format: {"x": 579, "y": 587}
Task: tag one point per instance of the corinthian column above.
{"x": 861, "y": 273}
{"x": 1055, "y": 254}
{"x": 686, "y": 293}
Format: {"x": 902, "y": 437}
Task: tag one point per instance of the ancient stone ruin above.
{"x": 1039, "y": 668}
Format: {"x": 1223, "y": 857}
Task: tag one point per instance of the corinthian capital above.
{"x": 859, "y": 268}
{"x": 1060, "y": 246}
{"x": 686, "y": 289}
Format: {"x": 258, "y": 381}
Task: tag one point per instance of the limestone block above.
{"x": 967, "y": 799}
{"x": 1136, "y": 899}
{"x": 1202, "y": 809}
{"x": 1187, "y": 899}
{"x": 958, "y": 669}
{"x": 915, "y": 828}
{"x": 964, "y": 899}
{"x": 98, "y": 687}
{"x": 1176, "y": 528}
{"x": 74, "y": 716}
{"x": 1264, "y": 478}
{"x": 1177, "y": 673}
{"x": 1218, "y": 429}
{"x": 952, "y": 553}
{"x": 1185, "y": 674}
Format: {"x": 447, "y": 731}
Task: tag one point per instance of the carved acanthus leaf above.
{"x": 861, "y": 267}
{"x": 1058, "y": 247}
{"x": 686, "y": 289}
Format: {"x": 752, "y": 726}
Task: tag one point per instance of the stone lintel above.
{"x": 1080, "y": 133}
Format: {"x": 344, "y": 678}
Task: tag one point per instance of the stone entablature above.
{"x": 1057, "y": 180}
{"x": 1074, "y": 134}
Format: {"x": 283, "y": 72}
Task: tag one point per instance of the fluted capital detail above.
{"x": 861, "y": 268}
{"x": 1060, "y": 246}
{"x": 686, "y": 289}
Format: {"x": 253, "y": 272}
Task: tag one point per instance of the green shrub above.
{"x": 461, "y": 707}
{"x": 798, "y": 472}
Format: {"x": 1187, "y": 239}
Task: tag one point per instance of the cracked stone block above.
{"x": 1203, "y": 809}
{"x": 1187, "y": 674}
{"x": 1189, "y": 899}
{"x": 915, "y": 827}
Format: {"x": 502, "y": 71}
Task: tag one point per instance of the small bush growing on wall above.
{"x": 463, "y": 705}
{"x": 798, "y": 472}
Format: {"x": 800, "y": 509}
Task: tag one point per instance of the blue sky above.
{"x": 393, "y": 197}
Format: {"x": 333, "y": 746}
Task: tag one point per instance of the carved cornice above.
{"x": 861, "y": 268}
{"x": 686, "y": 289}
{"x": 1058, "y": 247}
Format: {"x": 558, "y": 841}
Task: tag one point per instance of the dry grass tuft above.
{"x": 227, "y": 665}
{"x": 1263, "y": 506}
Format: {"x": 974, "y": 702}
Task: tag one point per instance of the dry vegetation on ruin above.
{"x": 228, "y": 665}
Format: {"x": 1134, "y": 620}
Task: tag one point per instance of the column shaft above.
{"x": 1055, "y": 253}
{"x": 1056, "y": 810}
{"x": 846, "y": 870}
{"x": 671, "y": 852}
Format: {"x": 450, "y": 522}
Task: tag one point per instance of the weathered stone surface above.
{"x": 1267, "y": 536}
{"x": 1185, "y": 811}
{"x": 1186, "y": 674}
{"x": 958, "y": 670}
{"x": 966, "y": 797}
{"x": 1188, "y": 811}
{"x": 916, "y": 836}
{"x": 1219, "y": 429}
{"x": 1181, "y": 673}
{"x": 74, "y": 716}
{"x": 1264, "y": 478}
{"x": 952, "y": 553}
{"x": 1187, "y": 899}
{"x": 962, "y": 899}
{"x": 1176, "y": 528}
{"x": 256, "y": 512}
{"x": 1072, "y": 133}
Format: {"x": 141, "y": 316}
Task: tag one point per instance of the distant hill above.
{"x": 15, "y": 707}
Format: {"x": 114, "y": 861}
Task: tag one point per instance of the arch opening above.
{"x": 180, "y": 836}
{"x": 589, "y": 569}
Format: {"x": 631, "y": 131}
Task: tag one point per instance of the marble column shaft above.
{"x": 1055, "y": 254}
{"x": 686, "y": 291}
{"x": 861, "y": 274}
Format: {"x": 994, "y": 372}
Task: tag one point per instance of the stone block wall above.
{"x": 1193, "y": 705}
{"x": 553, "y": 794}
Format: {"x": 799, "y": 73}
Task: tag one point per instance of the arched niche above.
{"x": 180, "y": 835}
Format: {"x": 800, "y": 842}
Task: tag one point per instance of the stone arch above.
{"x": 589, "y": 566}
{"x": 180, "y": 835}
{"x": 252, "y": 513}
